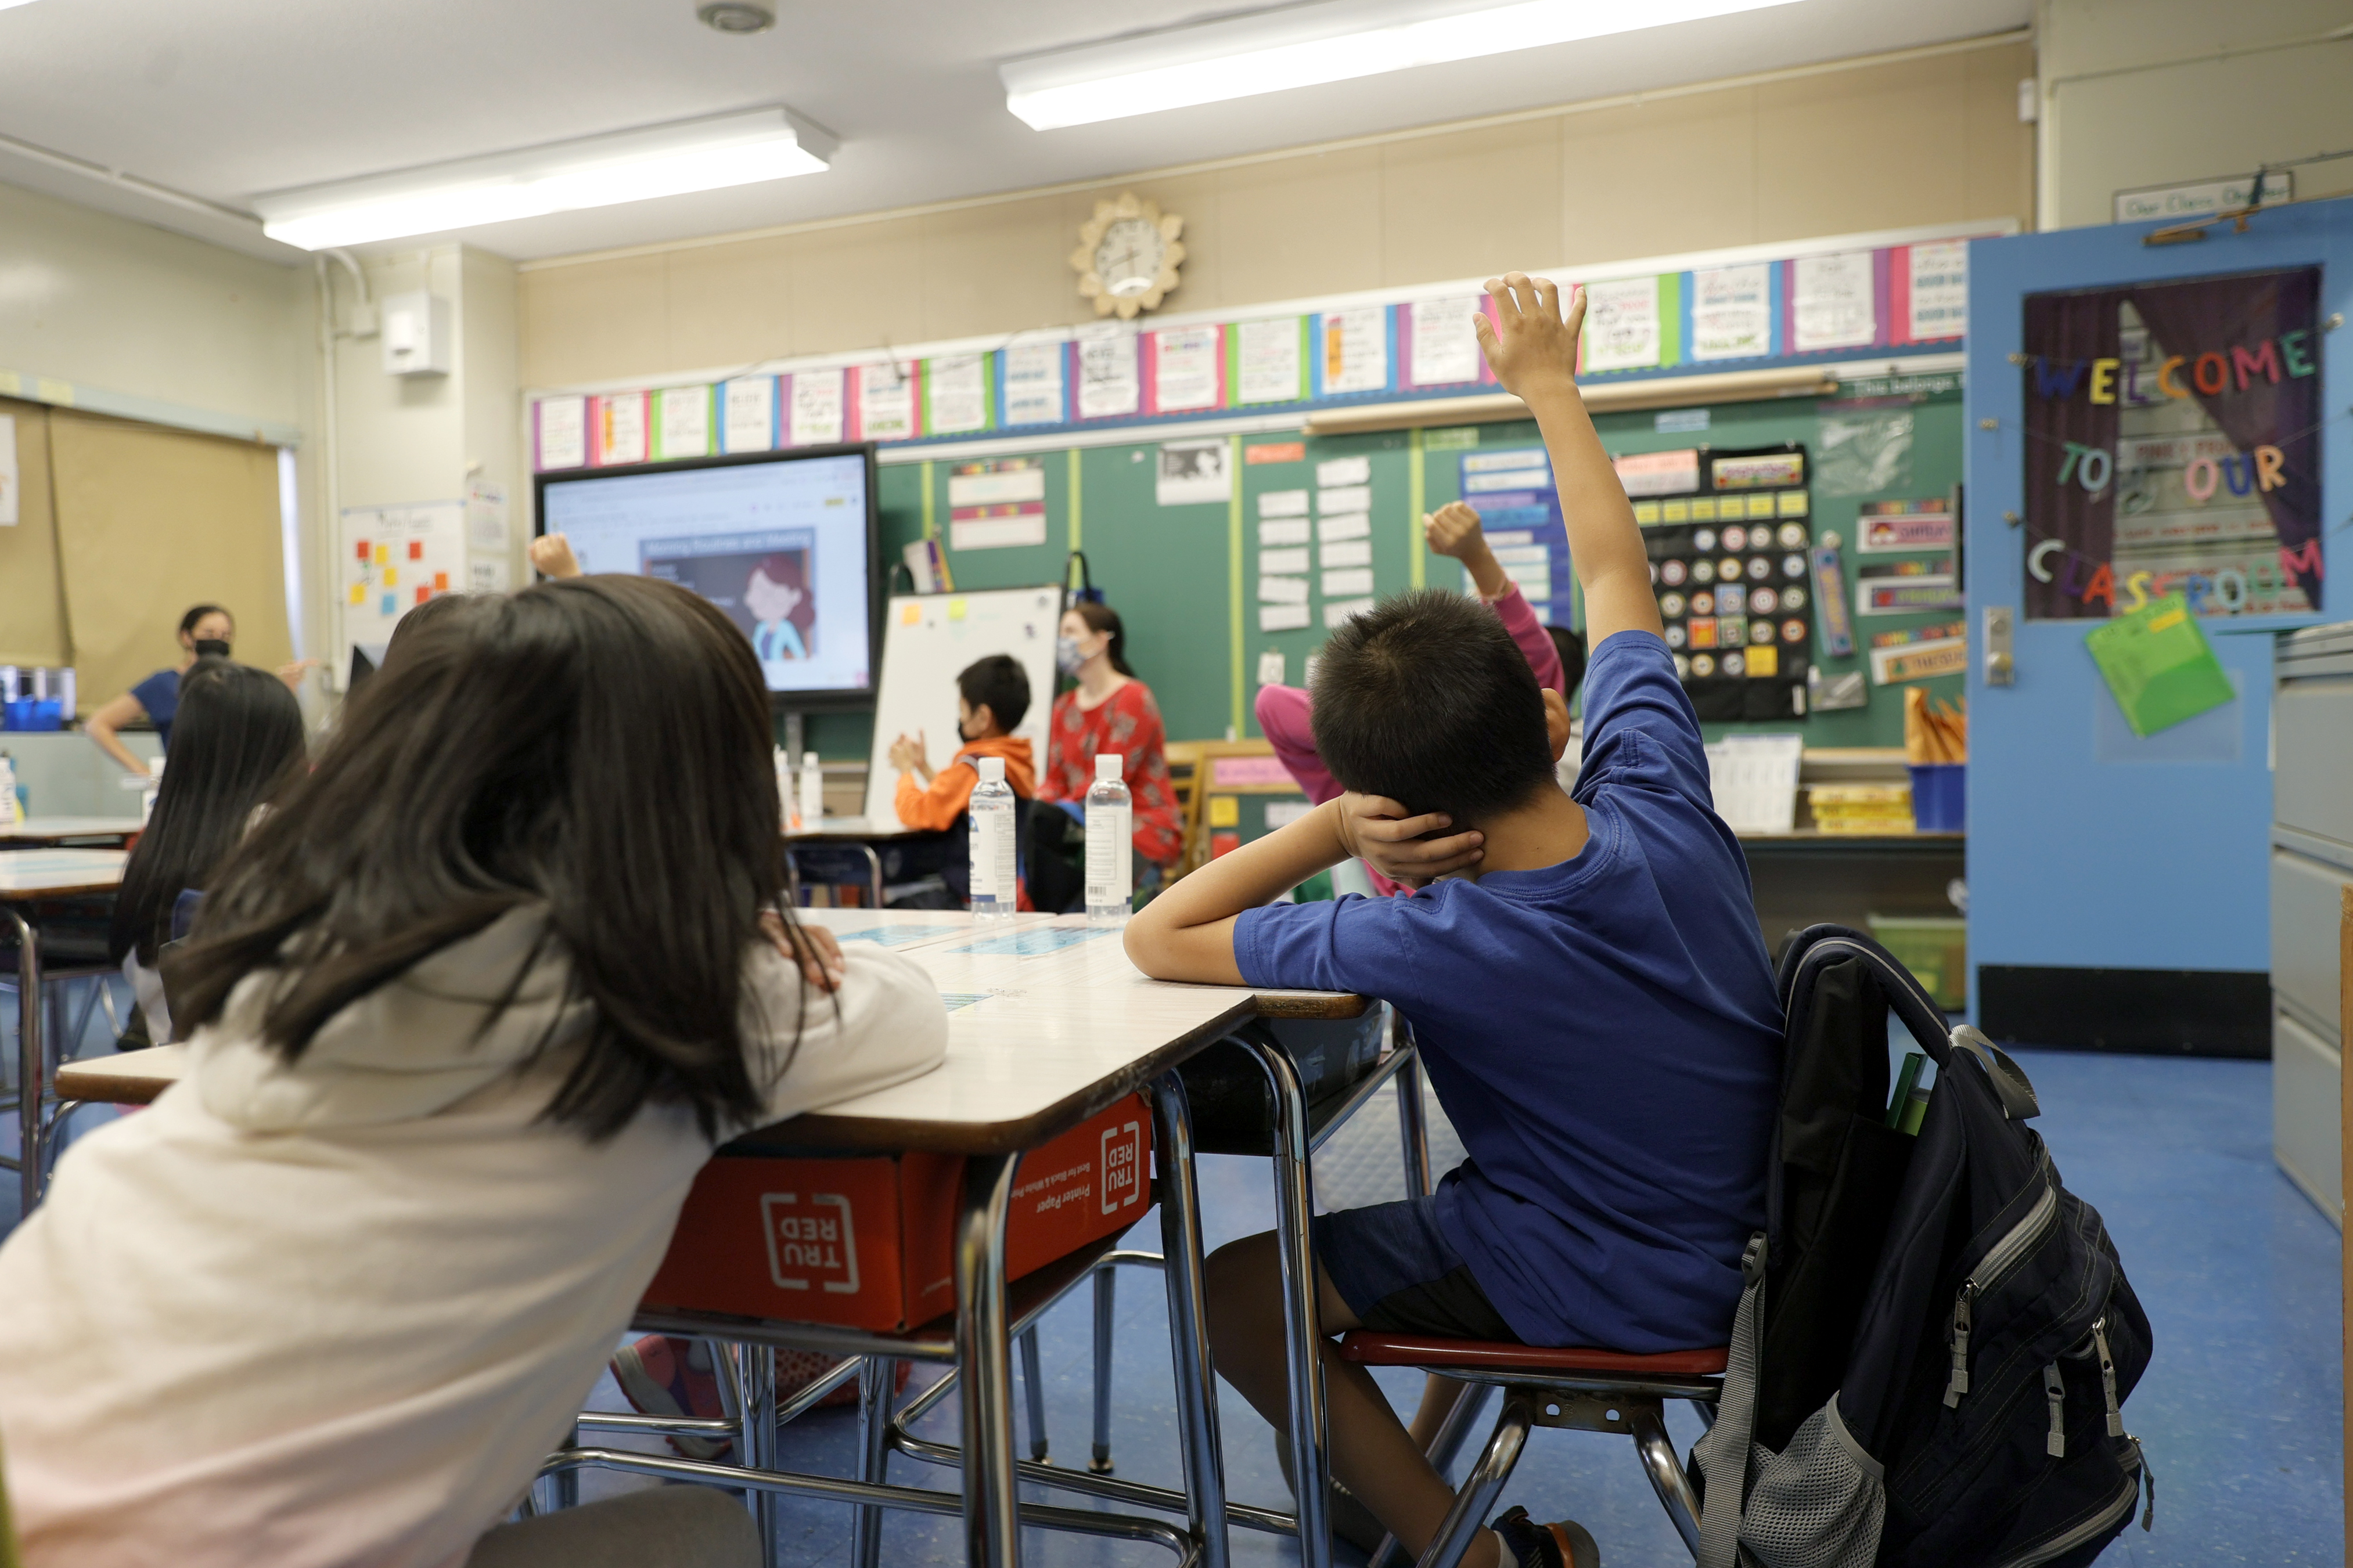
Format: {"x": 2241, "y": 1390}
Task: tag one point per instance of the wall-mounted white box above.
{"x": 415, "y": 331}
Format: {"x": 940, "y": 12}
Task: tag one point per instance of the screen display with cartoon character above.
{"x": 782, "y": 547}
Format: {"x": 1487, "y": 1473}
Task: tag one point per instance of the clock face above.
{"x": 1128, "y": 257}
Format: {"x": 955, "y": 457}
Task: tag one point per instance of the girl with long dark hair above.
{"x": 466, "y": 1013}
{"x": 240, "y": 742}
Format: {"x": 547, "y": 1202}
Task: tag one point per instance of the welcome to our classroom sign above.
{"x": 2173, "y": 446}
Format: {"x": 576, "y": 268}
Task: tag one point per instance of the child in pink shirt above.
{"x": 1451, "y": 530}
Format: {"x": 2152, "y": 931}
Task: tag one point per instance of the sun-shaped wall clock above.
{"x": 1128, "y": 255}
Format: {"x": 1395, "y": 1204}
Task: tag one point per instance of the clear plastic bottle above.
{"x": 812, "y": 793}
{"x": 788, "y": 809}
{"x": 1111, "y": 830}
{"x": 995, "y": 891}
{"x": 9, "y": 813}
{"x": 155, "y": 788}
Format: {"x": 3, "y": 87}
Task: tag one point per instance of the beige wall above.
{"x": 2150, "y": 92}
{"x": 1873, "y": 145}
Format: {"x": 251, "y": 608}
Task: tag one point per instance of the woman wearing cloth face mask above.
{"x": 1110, "y": 711}
{"x": 205, "y": 629}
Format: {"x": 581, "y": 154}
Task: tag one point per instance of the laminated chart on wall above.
{"x": 1729, "y": 536}
{"x": 393, "y": 559}
{"x": 1920, "y": 653}
{"x": 1519, "y": 511}
{"x": 996, "y": 504}
{"x": 1343, "y": 537}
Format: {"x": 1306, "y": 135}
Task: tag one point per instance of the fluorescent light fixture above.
{"x": 566, "y": 176}
{"x": 1303, "y": 46}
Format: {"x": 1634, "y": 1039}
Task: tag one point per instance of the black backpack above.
{"x": 1936, "y": 1339}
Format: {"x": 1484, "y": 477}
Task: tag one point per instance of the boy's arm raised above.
{"x": 1533, "y": 351}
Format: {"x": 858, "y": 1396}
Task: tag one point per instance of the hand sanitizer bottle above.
{"x": 9, "y": 815}
{"x": 995, "y": 892}
{"x": 788, "y": 809}
{"x": 1111, "y": 830}
{"x": 812, "y": 793}
{"x": 154, "y": 787}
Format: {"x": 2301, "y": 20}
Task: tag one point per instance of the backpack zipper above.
{"x": 2054, "y": 1394}
{"x": 1998, "y": 1260}
{"x": 2107, "y": 1376}
{"x": 2120, "y": 1506}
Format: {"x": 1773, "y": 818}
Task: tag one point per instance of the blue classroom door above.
{"x": 2118, "y": 885}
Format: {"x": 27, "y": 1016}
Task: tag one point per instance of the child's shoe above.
{"x": 1527, "y": 1544}
{"x": 656, "y": 1378}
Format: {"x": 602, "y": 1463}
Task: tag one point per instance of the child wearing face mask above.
{"x": 992, "y": 696}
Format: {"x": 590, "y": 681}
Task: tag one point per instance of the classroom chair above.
{"x": 73, "y": 946}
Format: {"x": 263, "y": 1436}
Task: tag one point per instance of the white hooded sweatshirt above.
{"x": 334, "y": 1315}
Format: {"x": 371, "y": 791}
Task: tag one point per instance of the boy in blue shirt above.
{"x": 1592, "y": 997}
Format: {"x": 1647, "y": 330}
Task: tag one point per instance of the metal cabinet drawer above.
{"x": 2312, "y": 788}
{"x": 2304, "y": 1115}
{"x": 2306, "y": 908}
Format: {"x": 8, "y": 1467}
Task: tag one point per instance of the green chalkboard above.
{"x": 1184, "y": 578}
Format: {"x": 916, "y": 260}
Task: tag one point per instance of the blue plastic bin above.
{"x": 1939, "y": 797}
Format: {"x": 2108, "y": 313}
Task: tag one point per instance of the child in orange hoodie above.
{"x": 992, "y": 696}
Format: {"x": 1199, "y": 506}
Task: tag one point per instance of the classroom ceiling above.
{"x": 226, "y": 99}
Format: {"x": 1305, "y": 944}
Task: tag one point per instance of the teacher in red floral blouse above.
{"x": 1110, "y": 711}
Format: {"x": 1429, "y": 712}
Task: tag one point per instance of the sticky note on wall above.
{"x": 1225, "y": 811}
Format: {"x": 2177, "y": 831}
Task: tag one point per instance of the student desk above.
{"x": 50, "y": 832}
{"x": 1049, "y": 1024}
{"x": 861, "y": 833}
{"x": 30, "y": 881}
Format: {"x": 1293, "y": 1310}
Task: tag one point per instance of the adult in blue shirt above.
{"x": 205, "y": 630}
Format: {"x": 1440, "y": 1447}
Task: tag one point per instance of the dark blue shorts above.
{"x": 1392, "y": 1265}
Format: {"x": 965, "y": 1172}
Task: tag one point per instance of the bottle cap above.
{"x": 809, "y": 759}
{"x": 1110, "y": 764}
{"x": 992, "y": 770}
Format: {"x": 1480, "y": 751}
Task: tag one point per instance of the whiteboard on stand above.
{"x": 927, "y": 641}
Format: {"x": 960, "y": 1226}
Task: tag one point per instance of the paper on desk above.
{"x": 1035, "y": 943}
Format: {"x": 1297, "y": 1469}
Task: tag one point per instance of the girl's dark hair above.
{"x": 237, "y": 741}
{"x": 1101, "y": 617}
{"x": 197, "y": 613}
{"x": 596, "y": 747}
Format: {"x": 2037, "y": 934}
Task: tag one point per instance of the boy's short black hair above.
{"x": 1428, "y": 701}
{"x": 1001, "y": 683}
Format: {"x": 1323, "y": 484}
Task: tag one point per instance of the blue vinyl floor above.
{"x": 2241, "y": 1412}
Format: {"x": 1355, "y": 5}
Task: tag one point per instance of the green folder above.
{"x": 2157, "y": 663}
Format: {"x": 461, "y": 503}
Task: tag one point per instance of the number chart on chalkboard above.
{"x": 1727, "y": 535}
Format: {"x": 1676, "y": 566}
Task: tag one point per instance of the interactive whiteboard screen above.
{"x": 783, "y": 544}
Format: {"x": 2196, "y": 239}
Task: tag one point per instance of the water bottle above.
{"x": 812, "y": 793}
{"x": 9, "y": 816}
{"x": 154, "y": 787}
{"x": 1111, "y": 830}
{"x": 788, "y": 809}
{"x": 995, "y": 893}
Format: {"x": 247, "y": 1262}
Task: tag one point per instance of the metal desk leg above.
{"x": 1033, "y": 1389}
{"x": 874, "y": 865}
{"x": 876, "y": 1379}
{"x": 1413, "y": 1127}
{"x": 1188, "y": 1328}
{"x": 1295, "y": 1206}
{"x": 992, "y": 1527}
{"x": 1106, "y": 1321}
{"x": 31, "y": 1062}
{"x": 760, "y": 1436}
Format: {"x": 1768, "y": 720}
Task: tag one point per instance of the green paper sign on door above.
{"x": 2159, "y": 667}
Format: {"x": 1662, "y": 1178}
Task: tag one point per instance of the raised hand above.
{"x": 1529, "y": 343}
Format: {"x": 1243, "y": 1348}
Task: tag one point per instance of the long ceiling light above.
{"x": 1305, "y": 46}
{"x": 566, "y": 176}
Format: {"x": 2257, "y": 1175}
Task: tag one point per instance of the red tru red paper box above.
{"x": 869, "y": 1243}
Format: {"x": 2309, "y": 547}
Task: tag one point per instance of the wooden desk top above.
{"x": 854, "y": 830}
{"x": 1047, "y": 1023}
{"x": 29, "y": 874}
{"x": 42, "y": 830}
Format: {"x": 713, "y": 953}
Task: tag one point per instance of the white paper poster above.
{"x": 1940, "y": 290}
{"x": 395, "y": 558}
{"x": 1269, "y": 666}
{"x": 11, "y": 502}
{"x": 1109, "y": 384}
{"x": 817, "y": 408}
{"x": 1193, "y": 472}
{"x": 1346, "y": 552}
{"x": 1832, "y": 299}
{"x": 748, "y": 423}
{"x": 1732, "y": 312}
{"x": 1445, "y": 352}
{"x": 957, "y": 391}
{"x": 1283, "y": 617}
{"x": 1356, "y": 350}
{"x": 886, "y": 402}
{"x": 1339, "y": 612}
{"x": 1277, "y": 531}
{"x": 1621, "y": 324}
{"x": 1033, "y": 383}
{"x": 488, "y": 574}
{"x": 1282, "y": 503}
{"x": 485, "y": 516}
{"x": 1333, "y": 471}
{"x": 622, "y": 432}
{"x": 1349, "y": 498}
{"x": 1349, "y": 581}
{"x": 1269, "y": 366}
{"x": 685, "y": 422}
{"x": 1283, "y": 589}
{"x": 1283, "y": 560}
{"x": 1346, "y": 525}
{"x": 1187, "y": 365}
{"x": 562, "y": 432}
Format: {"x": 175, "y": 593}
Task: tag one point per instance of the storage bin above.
{"x": 1939, "y": 796}
{"x": 1934, "y": 947}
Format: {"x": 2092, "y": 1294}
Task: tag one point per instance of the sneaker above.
{"x": 657, "y": 1380}
{"x": 1564, "y": 1545}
